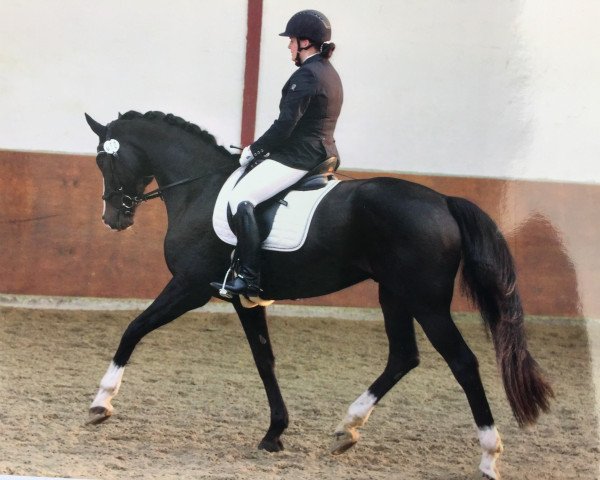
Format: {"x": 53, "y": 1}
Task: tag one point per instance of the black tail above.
{"x": 489, "y": 280}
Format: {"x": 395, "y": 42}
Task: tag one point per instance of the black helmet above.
{"x": 309, "y": 24}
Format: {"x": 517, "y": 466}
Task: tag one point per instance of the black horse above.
{"x": 408, "y": 238}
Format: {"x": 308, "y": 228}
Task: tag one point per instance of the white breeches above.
{"x": 264, "y": 181}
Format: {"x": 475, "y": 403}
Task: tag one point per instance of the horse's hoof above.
{"x": 98, "y": 415}
{"x": 489, "y": 477}
{"x": 343, "y": 441}
{"x": 271, "y": 445}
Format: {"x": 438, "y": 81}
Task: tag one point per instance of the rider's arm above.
{"x": 299, "y": 90}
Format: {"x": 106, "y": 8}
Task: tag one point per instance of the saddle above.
{"x": 317, "y": 178}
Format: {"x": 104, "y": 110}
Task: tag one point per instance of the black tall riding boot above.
{"x": 248, "y": 251}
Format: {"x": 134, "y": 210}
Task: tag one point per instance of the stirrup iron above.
{"x": 224, "y": 293}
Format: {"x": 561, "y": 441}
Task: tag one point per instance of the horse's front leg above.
{"x": 176, "y": 299}
{"x": 254, "y": 322}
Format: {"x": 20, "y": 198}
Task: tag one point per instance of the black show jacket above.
{"x": 311, "y": 100}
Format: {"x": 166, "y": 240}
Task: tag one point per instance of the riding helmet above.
{"x": 309, "y": 24}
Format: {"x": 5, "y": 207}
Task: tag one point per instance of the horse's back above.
{"x": 398, "y": 207}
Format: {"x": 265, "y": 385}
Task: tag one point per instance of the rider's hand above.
{"x": 246, "y": 157}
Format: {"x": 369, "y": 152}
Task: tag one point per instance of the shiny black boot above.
{"x": 248, "y": 251}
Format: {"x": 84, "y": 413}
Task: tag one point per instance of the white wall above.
{"x": 492, "y": 88}
{"x": 61, "y": 58}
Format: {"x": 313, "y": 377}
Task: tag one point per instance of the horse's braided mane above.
{"x": 178, "y": 122}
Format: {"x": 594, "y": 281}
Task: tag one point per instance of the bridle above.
{"x": 127, "y": 202}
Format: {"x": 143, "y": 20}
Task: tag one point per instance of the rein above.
{"x": 157, "y": 192}
{"x": 128, "y": 202}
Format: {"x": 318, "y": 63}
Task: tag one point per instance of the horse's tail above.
{"x": 489, "y": 280}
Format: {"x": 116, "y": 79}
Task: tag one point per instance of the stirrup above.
{"x": 239, "y": 285}
{"x": 224, "y": 293}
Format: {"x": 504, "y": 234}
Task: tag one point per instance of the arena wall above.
{"x": 474, "y": 99}
{"x": 55, "y": 244}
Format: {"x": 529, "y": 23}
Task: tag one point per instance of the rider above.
{"x": 300, "y": 139}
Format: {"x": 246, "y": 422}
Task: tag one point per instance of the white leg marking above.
{"x": 109, "y": 386}
{"x": 491, "y": 444}
{"x": 358, "y": 412}
{"x": 345, "y": 434}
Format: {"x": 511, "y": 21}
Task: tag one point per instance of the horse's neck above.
{"x": 169, "y": 165}
{"x": 205, "y": 167}
{"x": 173, "y": 158}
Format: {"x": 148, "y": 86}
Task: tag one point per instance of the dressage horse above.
{"x": 410, "y": 239}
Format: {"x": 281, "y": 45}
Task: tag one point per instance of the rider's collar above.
{"x": 309, "y": 57}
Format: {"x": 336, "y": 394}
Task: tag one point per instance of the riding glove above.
{"x": 246, "y": 157}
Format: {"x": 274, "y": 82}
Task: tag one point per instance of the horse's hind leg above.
{"x": 403, "y": 356}
{"x": 447, "y": 340}
{"x": 176, "y": 299}
{"x": 254, "y": 322}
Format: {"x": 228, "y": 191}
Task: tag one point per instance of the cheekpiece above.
{"x": 111, "y": 146}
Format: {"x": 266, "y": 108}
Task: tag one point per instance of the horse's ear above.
{"x": 96, "y": 127}
{"x": 120, "y": 114}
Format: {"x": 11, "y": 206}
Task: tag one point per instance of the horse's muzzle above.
{"x": 119, "y": 221}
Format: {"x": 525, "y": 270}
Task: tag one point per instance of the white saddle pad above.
{"x": 291, "y": 223}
